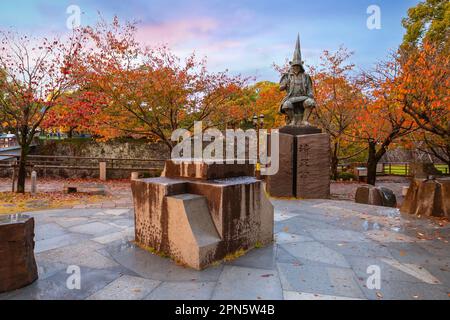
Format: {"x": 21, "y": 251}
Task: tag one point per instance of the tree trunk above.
{"x": 22, "y": 169}
{"x": 335, "y": 162}
{"x": 373, "y": 159}
{"x": 372, "y": 162}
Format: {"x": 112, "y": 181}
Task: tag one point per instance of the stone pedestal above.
{"x": 428, "y": 198}
{"x": 17, "y": 264}
{"x": 304, "y": 165}
{"x": 281, "y": 184}
{"x": 197, "y": 214}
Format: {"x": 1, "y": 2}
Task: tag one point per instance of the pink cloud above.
{"x": 176, "y": 32}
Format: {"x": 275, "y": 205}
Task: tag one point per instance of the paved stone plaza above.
{"x": 322, "y": 251}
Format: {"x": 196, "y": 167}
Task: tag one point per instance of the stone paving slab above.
{"x": 187, "y": 290}
{"x": 322, "y": 251}
{"x": 316, "y": 253}
{"x": 239, "y": 283}
{"x": 126, "y": 288}
{"x": 320, "y": 279}
{"x": 154, "y": 267}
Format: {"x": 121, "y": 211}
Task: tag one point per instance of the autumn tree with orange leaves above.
{"x": 382, "y": 121}
{"x": 35, "y": 73}
{"x": 424, "y": 92}
{"x": 149, "y": 91}
{"x": 340, "y": 99}
{"x": 76, "y": 111}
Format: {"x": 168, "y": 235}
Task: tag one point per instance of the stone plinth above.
{"x": 17, "y": 264}
{"x": 281, "y": 184}
{"x": 299, "y": 131}
{"x": 428, "y": 198}
{"x": 199, "y": 221}
{"x": 304, "y": 165}
{"x": 313, "y": 166}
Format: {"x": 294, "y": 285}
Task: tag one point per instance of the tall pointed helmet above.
{"x": 297, "y": 59}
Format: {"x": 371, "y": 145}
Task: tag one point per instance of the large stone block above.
{"x": 313, "y": 166}
{"x": 17, "y": 264}
{"x": 206, "y": 171}
{"x": 240, "y": 210}
{"x": 150, "y": 204}
{"x": 197, "y": 222}
{"x": 193, "y": 238}
{"x": 428, "y": 198}
{"x": 376, "y": 196}
{"x": 282, "y": 184}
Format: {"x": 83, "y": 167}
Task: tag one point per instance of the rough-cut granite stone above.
{"x": 197, "y": 222}
{"x": 428, "y": 198}
{"x": 376, "y": 196}
{"x": 17, "y": 264}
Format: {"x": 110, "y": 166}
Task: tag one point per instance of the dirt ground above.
{"x": 50, "y": 195}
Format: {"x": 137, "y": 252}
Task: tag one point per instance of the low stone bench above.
{"x": 17, "y": 264}
{"x": 90, "y": 189}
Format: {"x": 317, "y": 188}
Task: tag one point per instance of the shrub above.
{"x": 346, "y": 176}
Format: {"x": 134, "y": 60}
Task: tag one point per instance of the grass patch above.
{"x": 258, "y": 245}
{"x": 151, "y": 250}
{"x": 401, "y": 170}
{"x": 233, "y": 256}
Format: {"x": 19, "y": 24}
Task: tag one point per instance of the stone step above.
{"x": 191, "y": 229}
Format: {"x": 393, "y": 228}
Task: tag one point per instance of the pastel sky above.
{"x": 243, "y": 36}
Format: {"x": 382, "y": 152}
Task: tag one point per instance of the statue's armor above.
{"x": 298, "y": 87}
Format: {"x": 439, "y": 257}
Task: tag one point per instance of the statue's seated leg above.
{"x": 298, "y": 113}
{"x": 309, "y": 104}
{"x": 288, "y": 108}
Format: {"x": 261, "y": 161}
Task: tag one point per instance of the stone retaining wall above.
{"x": 130, "y": 149}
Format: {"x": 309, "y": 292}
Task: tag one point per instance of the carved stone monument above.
{"x": 304, "y": 150}
{"x": 199, "y": 212}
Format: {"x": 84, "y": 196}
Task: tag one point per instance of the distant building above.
{"x": 8, "y": 140}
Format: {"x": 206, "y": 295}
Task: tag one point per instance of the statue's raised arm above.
{"x": 284, "y": 82}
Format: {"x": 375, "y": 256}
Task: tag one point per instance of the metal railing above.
{"x": 393, "y": 168}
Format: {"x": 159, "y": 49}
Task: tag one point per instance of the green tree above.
{"x": 429, "y": 20}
